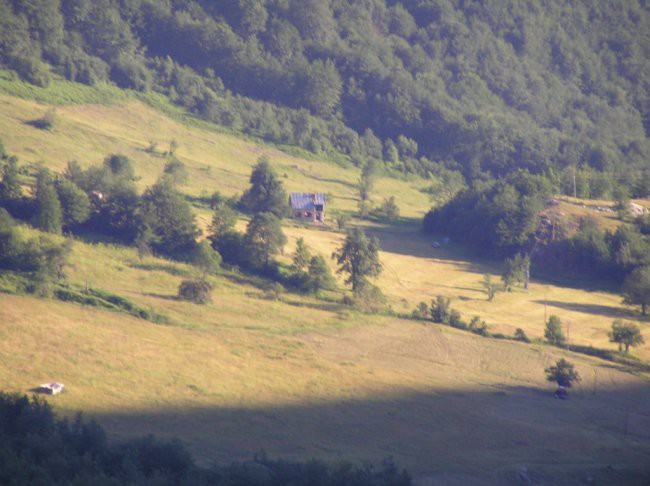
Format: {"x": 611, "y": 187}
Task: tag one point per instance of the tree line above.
{"x": 476, "y": 88}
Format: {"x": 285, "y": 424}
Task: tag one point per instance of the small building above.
{"x": 51, "y": 388}
{"x": 308, "y": 206}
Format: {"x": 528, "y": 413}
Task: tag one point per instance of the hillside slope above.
{"x": 301, "y": 377}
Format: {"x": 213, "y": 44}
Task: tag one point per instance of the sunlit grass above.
{"x": 267, "y": 362}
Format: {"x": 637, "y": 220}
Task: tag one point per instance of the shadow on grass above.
{"x": 173, "y": 298}
{"x": 487, "y": 434}
{"x": 408, "y": 240}
{"x": 596, "y": 309}
{"x": 323, "y": 306}
{"x": 161, "y": 267}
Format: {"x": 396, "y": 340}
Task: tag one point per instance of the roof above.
{"x": 306, "y": 200}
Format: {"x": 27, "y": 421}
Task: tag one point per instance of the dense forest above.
{"x": 425, "y": 86}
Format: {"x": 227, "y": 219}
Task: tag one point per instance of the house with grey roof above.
{"x": 308, "y": 206}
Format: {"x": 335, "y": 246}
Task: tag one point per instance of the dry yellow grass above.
{"x": 216, "y": 161}
{"x": 304, "y": 378}
{"x": 415, "y": 272}
{"x": 374, "y": 388}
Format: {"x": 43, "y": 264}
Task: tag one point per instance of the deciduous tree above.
{"x": 626, "y": 334}
{"x": 636, "y": 288}
{"x": 49, "y": 214}
{"x": 563, "y": 373}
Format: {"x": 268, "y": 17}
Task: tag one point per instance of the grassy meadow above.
{"x": 300, "y": 377}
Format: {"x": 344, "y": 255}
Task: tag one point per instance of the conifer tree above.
{"x": 266, "y": 194}
{"x": 358, "y": 257}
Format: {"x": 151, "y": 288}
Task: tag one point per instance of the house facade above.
{"x": 308, "y": 206}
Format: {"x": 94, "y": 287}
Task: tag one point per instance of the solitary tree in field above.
{"x": 489, "y": 287}
{"x": 563, "y": 373}
{"x": 553, "y": 332}
{"x": 625, "y": 334}
{"x": 636, "y": 288}
{"x": 366, "y": 184}
{"x": 517, "y": 270}
{"x": 358, "y": 257}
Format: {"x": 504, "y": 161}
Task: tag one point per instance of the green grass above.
{"x": 301, "y": 377}
{"x": 60, "y": 92}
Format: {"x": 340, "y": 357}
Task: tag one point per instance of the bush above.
{"x": 455, "y": 320}
{"x": 176, "y": 170}
{"x": 197, "y": 291}
{"x": 369, "y": 298}
{"x": 520, "y": 335}
{"x": 478, "y": 326}
{"x": 421, "y": 312}
{"x": 553, "y": 332}
{"x": 46, "y": 122}
{"x": 440, "y": 310}
{"x": 274, "y": 291}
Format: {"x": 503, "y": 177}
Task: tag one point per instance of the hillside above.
{"x": 414, "y": 271}
{"x": 302, "y": 377}
{"x": 470, "y": 86}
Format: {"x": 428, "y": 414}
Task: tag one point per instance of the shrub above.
{"x": 478, "y": 326}
{"x": 274, "y": 291}
{"x": 197, "y": 291}
{"x": 421, "y": 312}
{"x": 553, "y": 332}
{"x": 520, "y": 335}
{"x": 47, "y": 121}
{"x": 455, "y": 320}
{"x": 440, "y": 309}
{"x": 369, "y": 298}
{"x": 563, "y": 373}
{"x": 176, "y": 170}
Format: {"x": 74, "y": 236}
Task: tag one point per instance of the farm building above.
{"x": 308, "y": 206}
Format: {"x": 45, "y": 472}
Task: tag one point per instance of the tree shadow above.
{"x": 323, "y": 306}
{"x": 489, "y": 432}
{"x": 408, "y": 240}
{"x": 596, "y": 309}
{"x": 162, "y": 296}
{"x": 161, "y": 267}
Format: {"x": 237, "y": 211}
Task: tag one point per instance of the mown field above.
{"x": 300, "y": 377}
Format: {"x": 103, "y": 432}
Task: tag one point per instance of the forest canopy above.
{"x": 480, "y": 87}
